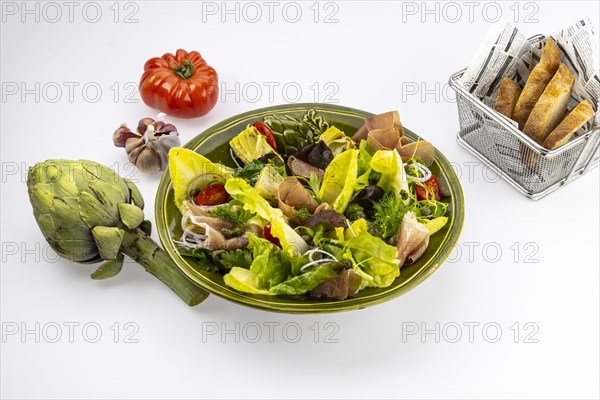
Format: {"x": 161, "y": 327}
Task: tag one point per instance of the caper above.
{"x": 357, "y": 215}
{"x": 307, "y": 238}
{"x": 375, "y": 232}
{"x": 425, "y": 211}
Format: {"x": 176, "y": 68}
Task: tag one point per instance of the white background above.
{"x": 372, "y": 57}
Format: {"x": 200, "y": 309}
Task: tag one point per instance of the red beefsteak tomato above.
{"x": 181, "y": 85}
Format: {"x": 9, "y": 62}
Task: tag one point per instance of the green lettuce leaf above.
{"x": 270, "y": 263}
{"x": 251, "y": 171}
{"x": 338, "y": 183}
{"x": 203, "y": 258}
{"x": 233, "y": 258}
{"x": 365, "y": 153}
{"x": 246, "y": 281}
{"x": 306, "y": 282}
{"x": 393, "y": 177}
{"x": 297, "y": 263}
{"x": 375, "y": 258}
{"x": 252, "y": 201}
{"x": 190, "y": 171}
{"x": 356, "y": 228}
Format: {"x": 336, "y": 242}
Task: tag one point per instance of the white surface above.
{"x": 372, "y": 57}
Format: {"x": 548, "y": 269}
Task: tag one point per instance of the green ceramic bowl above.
{"x": 214, "y": 144}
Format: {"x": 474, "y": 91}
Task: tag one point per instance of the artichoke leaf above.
{"x": 108, "y": 239}
{"x": 146, "y": 227}
{"x": 94, "y": 213}
{"x": 250, "y": 145}
{"x": 63, "y": 222}
{"x": 131, "y": 215}
{"x": 81, "y": 251}
{"x": 42, "y": 197}
{"x": 268, "y": 183}
{"x": 69, "y": 238}
{"x": 107, "y": 195}
{"x": 135, "y": 196}
{"x": 79, "y": 246}
{"x": 109, "y": 269}
{"x": 337, "y": 141}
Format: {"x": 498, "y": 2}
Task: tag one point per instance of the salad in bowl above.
{"x": 309, "y": 210}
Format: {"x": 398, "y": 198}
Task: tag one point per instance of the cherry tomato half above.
{"x": 269, "y": 236}
{"x": 432, "y": 187}
{"x": 212, "y": 195}
{"x": 266, "y": 131}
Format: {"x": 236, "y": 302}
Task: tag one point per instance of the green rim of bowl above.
{"x": 290, "y": 304}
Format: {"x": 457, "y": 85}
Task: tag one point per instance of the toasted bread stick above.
{"x": 507, "y": 97}
{"x": 536, "y": 83}
{"x": 551, "y": 106}
{"x": 568, "y": 126}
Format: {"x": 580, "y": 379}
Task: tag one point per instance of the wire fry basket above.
{"x": 530, "y": 168}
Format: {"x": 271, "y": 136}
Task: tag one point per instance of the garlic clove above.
{"x": 143, "y": 125}
{"x": 168, "y": 128}
{"x": 134, "y": 154}
{"x": 122, "y": 134}
{"x": 158, "y": 127}
{"x": 169, "y": 141}
{"x": 133, "y": 143}
{"x": 162, "y": 153}
{"x": 148, "y": 161}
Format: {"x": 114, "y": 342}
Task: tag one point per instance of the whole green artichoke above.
{"x": 88, "y": 213}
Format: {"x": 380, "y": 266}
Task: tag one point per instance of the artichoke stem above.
{"x": 140, "y": 247}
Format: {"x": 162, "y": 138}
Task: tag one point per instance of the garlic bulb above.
{"x": 149, "y": 147}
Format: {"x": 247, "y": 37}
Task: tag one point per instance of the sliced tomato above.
{"x": 431, "y": 189}
{"x": 269, "y": 236}
{"x": 212, "y": 195}
{"x": 266, "y": 131}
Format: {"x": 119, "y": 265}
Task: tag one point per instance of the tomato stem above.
{"x": 184, "y": 71}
